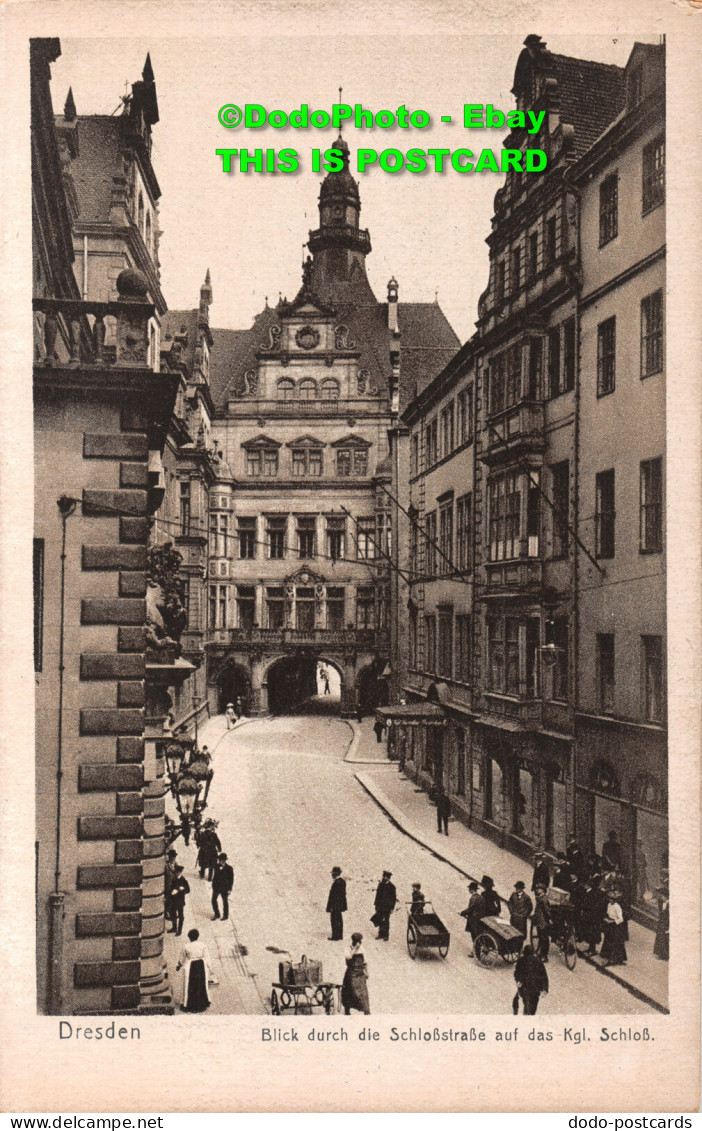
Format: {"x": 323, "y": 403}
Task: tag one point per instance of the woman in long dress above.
{"x": 354, "y": 988}
{"x": 195, "y": 963}
{"x": 613, "y": 950}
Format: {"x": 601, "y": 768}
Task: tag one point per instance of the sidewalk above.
{"x": 236, "y": 991}
{"x": 365, "y": 747}
{"x": 410, "y": 808}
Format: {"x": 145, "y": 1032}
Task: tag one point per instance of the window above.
{"x": 276, "y": 538}
{"x": 262, "y": 461}
{"x": 606, "y": 351}
{"x": 308, "y": 389}
{"x": 651, "y": 516}
{"x": 568, "y": 355}
{"x": 286, "y": 389}
{"x": 533, "y": 516}
{"x": 275, "y": 607}
{"x": 140, "y": 213}
{"x": 604, "y": 514}
{"x": 511, "y": 656}
{"x": 413, "y": 638}
{"x": 414, "y": 455}
{"x": 446, "y": 537}
{"x": 500, "y": 282}
{"x": 653, "y": 174}
{"x": 430, "y": 643}
{"x": 497, "y": 384}
{"x": 307, "y": 462}
{"x": 447, "y": 430}
{"x": 306, "y": 536}
{"x": 431, "y": 442}
{"x": 533, "y": 256}
{"x": 185, "y": 507}
{"x": 605, "y": 671}
{"x": 147, "y": 232}
{"x": 430, "y": 541}
{"x": 365, "y": 608}
{"x": 330, "y": 390}
{"x": 247, "y": 538}
{"x": 513, "y": 392}
{"x": 652, "y": 678}
{"x": 218, "y": 606}
{"x": 463, "y": 664}
{"x": 551, "y": 241}
{"x": 516, "y": 269}
{"x": 464, "y": 421}
{"x": 445, "y": 665}
{"x": 336, "y": 538}
{"x": 557, "y": 658}
{"x": 463, "y": 532}
{"x": 554, "y": 362}
{"x": 38, "y": 579}
{"x": 652, "y": 334}
{"x": 304, "y": 609}
{"x": 336, "y": 611}
{"x": 219, "y": 535}
{"x": 496, "y": 654}
{"x": 536, "y": 354}
{"x": 504, "y": 511}
{"x": 351, "y": 461}
{"x": 560, "y": 484}
{"x": 365, "y": 538}
{"x": 609, "y": 190}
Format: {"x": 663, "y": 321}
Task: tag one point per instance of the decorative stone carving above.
{"x": 307, "y": 338}
{"x": 166, "y": 615}
{"x": 250, "y": 383}
{"x": 273, "y": 341}
{"x": 342, "y": 341}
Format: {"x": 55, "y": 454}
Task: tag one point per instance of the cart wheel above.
{"x": 443, "y": 950}
{"x": 319, "y": 996}
{"x": 511, "y": 955}
{"x": 275, "y": 1005}
{"x": 570, "y": 951}
{"x": 412, "y": 941}
{"x": 285, "y": 999}
{"x": 485, "y": 949}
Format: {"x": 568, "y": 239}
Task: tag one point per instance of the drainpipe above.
{"x": 57, "y": 898}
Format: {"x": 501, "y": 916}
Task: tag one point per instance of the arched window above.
{"x": 140, "y": 213}
{"x": 147, "y": 237}
{"x": 308, "y": 389}
{"x": 330, "y": 390}
{"x": 286, "y": 389}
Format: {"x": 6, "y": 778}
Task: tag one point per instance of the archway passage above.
{"x": 233, "y": 684}
{"x": 304, "y": 685}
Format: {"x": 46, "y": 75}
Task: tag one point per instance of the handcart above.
{"x": 425, "y": 931}
{"x": 497, "y": 939}
{"x": 562, "y": 932}
{"x": 301, "y": 988}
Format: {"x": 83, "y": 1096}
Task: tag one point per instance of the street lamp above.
{"x": 174, "y": 759}
{"x": 187, "y": 791}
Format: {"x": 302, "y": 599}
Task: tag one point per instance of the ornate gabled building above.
{"x": 300, "y": 549}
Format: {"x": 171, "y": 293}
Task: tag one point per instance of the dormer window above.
{"x": 261, "y": 457}
{"x": 351, "y": 456}
{"x": 306, "y": 458}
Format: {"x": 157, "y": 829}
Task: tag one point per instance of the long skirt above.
{"x": 613, "y": 949}
{"x": 197, "y": 1000}
{"x": 354, "y": 989}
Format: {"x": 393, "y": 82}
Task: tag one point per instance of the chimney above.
{"x": 393, "y": 289}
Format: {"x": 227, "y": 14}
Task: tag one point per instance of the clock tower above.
{"x": 339, "y": 247}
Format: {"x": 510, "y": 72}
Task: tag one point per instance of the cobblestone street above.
{"x": 290, "y": 807}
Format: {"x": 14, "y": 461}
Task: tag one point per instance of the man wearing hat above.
{"x": 542, "y": 922}
{"x": 385, "y": 900}
{"x": 418, "y": 899}
{"x": 336, "y": 905}
{"x": 474, "y": 911}
{"x": 542, "y": 874}
{"x": 230, "y": 715}
{"x": 532, "y": 981}
{"x": 520, "y": 907}
{"x": 491, "y": 900}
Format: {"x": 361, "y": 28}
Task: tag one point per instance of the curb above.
{"x": 399, "y": 819}
{"x": 355, "y": 742}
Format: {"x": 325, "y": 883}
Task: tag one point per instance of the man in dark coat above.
{"x": 532, "y": 981}
{"x": 385, "y": 900}
{"x": 562, "y": 875}
{"x": 520, "y": 907}
{"x": 222, "y": 884}
{"x": 336, "y": 905}
{"x": 209, "y": 849}
{"x": 542, "y": 874}
{"x": 612, "y": 853}
{"x": 175, "y": 902}
{"x": 541, "y": 921}
{"x": 474, "y": 911}
{"x": 491, "y": 900}
{"x": 443, "y": 811}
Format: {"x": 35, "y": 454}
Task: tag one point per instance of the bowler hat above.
{"x": 487, "y": 882}
{"x": 388, "y": 874}
{"x": 519, "y": 885}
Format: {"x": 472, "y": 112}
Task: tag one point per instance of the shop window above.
{"x": 606, "y": 356}
{"x": 651, "y": 512}
{"x": 652, "y": 334}
{"x": 604, "y": 514}
{"x": 605, "y": 671}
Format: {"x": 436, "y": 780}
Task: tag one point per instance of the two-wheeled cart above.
{"x": 562, "y": 933}
{"x": 324, "y": 996}
{"x": 497, "y": 940}
{"x": 425, "y": 931}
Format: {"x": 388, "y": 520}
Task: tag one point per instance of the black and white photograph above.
{"x": 351, "y": 665}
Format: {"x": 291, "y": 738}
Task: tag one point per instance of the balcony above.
{"x": 515, "y": 431}
{"x": 292, "y": 639}
{"x": 522, "y": 577}
{"x": 512, "y": 714}
{"x": 85, "y": 343}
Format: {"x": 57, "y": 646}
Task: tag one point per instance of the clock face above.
{"x": 338, "y": 211}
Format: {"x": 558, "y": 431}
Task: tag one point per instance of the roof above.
{"x": 427, "y": 342}
{"x": 590, "y": 94}
{"x": 406, "y": 712}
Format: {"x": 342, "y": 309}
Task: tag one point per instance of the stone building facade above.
{"x": 562, "y": 703}
{"x": 300, "y": 549}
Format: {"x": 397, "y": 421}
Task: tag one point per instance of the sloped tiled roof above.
{"x": 591, "y": 95}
